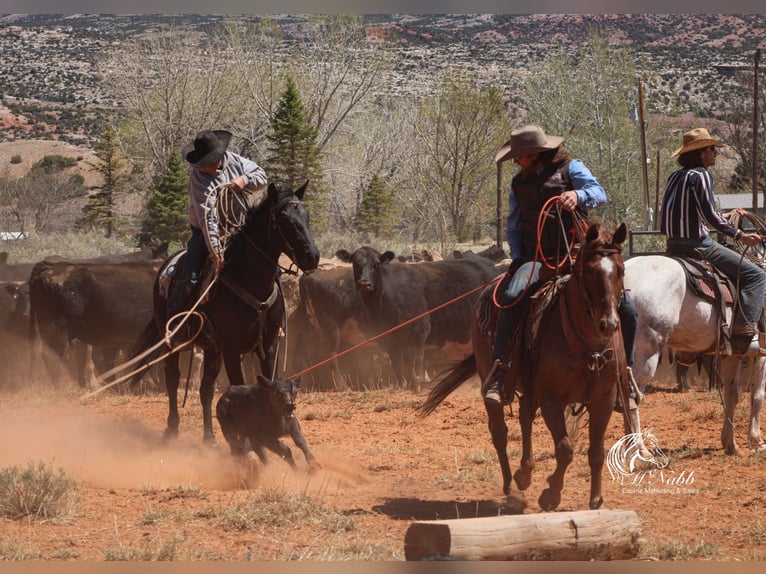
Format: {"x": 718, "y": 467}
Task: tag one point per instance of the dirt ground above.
{"x": 143, "y": 498}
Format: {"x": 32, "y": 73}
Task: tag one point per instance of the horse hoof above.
{"x": 733, "y": 451}
{"x": 596, "y": 503}
{"x": 549, "y": 500}
{"x": 522, "y": 479}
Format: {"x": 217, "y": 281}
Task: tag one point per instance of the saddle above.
{"x": 708, "y": 283}
{"x": 167, "y": 277}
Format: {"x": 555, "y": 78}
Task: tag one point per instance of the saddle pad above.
{"x": 486, "y": 311}
{"x": 168, "y": 273}
{"x": 703, "y": 279}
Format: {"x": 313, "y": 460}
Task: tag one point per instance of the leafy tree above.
{"x": 294, "y": 156}
{"x": 98, "y": 212}
{"x": 378, "y": 212}
{"x": 167, "y": 208}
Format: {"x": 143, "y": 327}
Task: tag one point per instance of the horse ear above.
{"x": 343, "y": 255}
{"x": 592, "y": 233}
{"x": 302, "y": 190}
{"x": 621, "y": 234}
{"x": 273, "y": 191}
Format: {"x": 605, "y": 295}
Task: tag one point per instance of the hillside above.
{"x": 50, "y": 80}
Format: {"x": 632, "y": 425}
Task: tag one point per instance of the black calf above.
{"x": 262, "y": 413}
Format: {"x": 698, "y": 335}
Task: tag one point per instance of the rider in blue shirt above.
{"x": 546, "y": 171}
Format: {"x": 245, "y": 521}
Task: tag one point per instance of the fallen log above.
{"x": 578, "y": 535}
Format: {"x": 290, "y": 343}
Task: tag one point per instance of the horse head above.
{"x": 599, "y": 271}
{"x": 288, "y": 227}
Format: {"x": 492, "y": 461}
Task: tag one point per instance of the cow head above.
{"x": 282, "y": 393}
{"x": 366, "y": 262}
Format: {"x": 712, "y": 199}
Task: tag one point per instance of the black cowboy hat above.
{"x": 207, "y": 148}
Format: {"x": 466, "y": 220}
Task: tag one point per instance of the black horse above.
{"x": 245, "y": 310}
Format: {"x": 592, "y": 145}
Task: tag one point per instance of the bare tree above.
{"x": 458, "y": 133}
{"x": 171, "y": 85}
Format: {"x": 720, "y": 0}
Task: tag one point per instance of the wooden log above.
{"x": 578, "y": 535}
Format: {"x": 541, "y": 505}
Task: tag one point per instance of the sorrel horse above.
{"x": 671, "y": 314}
{"x": 576, "y": 357}
{"x": 244, "y": 313}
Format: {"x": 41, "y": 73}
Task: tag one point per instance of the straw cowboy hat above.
{"x": 696, "y": 139}
{"x": 207, "y": 148}
{"x": 527, "y": 140}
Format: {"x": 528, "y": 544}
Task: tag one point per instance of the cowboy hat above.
{"x": 697, "y": 139}
{"x": 527, "y": 140}
{"x": 207, "y": 148}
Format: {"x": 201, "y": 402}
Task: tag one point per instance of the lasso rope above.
{"x": 539, "y": 257}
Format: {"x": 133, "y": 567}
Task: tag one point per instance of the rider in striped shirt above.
{"x": 688, "y": 208}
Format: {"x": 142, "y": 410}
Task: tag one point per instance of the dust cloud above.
{"x": 108, "y": 450}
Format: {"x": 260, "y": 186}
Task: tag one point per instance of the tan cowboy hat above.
{"x": 696, "y": 139}
{"x": 526, "y": 140}
{"x": 207, "y": 148}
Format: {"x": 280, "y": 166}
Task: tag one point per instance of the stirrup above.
{"x": 492, "y": 386}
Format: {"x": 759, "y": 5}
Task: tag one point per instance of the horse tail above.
{"x": 452, "y": 379}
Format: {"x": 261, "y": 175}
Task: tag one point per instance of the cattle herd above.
{"x": 360, "y": 319}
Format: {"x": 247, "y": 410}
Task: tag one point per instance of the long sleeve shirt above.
{"x": 201, "y": 183}
{"x": 688, "y": 206}
{"x": 590, "y": 194}
{"x": 203, "y": 194}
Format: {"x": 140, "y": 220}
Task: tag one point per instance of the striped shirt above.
{"x": 688, "y": 206}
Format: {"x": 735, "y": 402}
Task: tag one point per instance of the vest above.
{"x": 532, "y": 191}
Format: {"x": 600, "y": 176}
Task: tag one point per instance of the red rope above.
{"x": 548, "y": 206}
{"x": 392, "y": 329}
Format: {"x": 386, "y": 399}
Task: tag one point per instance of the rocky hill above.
{"x": 49, "y": 75}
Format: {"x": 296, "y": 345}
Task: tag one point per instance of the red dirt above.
{"x": 383, "y": 467}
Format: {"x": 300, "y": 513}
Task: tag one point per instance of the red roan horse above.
{"x": 577, "y": 356}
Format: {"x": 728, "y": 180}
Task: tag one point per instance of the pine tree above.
{"x": 377, "y": 213}
{"x": 295, "y": 156}
{"x": 99, "y": 209}
{"x": 167, "y": 217}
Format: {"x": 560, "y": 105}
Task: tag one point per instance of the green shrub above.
{"x": 38, "y": 491}
{"x": 16, "y": 158}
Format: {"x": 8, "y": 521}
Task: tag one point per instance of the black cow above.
{"x": 331, "y": 317}
{"x": 262, "y": 413}
{"x": 394, "y": 293}
{"x": 103, "y": 303}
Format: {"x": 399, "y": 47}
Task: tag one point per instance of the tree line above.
{"x": 382, "y": 167}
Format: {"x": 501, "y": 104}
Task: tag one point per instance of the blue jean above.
{"x": 750, "y": 278}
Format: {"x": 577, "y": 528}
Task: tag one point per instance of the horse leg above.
{"x": 731, "y": 369}
{"x": 211, "y": 368}
{"x": 523, "y": 476}
{"x": 233, "y": 365}
{"x": 757, "y": 382}
{"x": 598, "y": 420}
{"x": 498, "y": 430}
{"x": 172, "y": 376}
{"x": 553, "y": 414}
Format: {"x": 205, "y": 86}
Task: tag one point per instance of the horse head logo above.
{"x": 636, "y": 451}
